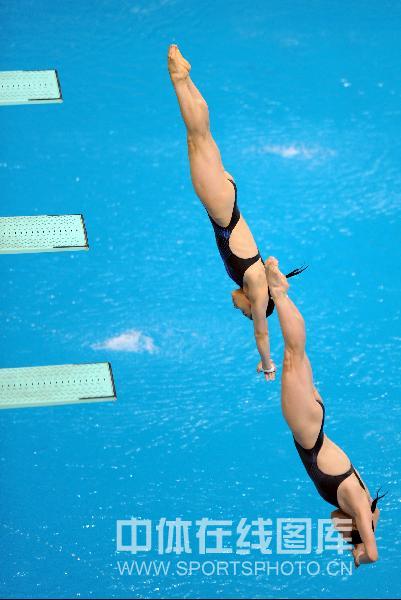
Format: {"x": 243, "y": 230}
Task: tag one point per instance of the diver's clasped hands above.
{"x": 269, "y": 369}
{"x": 357, "y": 552}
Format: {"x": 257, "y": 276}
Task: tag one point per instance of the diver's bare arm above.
{"x": 263, "y": 346}
{"x": 261, "y": 333}
{"x": 370, "y": 554}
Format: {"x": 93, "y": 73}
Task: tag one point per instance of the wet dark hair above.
{"x": 271, "y": 305}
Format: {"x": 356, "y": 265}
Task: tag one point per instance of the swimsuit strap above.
{"x": 376, "y": 498}
{"x": 324, "y": 413}
{"x": 319, "y": 440}
{"x": 358, "y": 478}
{"x": 235, "y": 215}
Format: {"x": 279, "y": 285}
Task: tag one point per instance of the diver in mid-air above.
{"x": 330, "y": 469}
{"x": 217, "y": 191}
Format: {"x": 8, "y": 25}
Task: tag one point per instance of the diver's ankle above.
{"x": 280, "y": 295}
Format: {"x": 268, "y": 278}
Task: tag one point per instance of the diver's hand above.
{"x": 357, "y": 552}
{"x": 268, "y": 368}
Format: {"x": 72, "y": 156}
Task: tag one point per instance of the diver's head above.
{"x": 241, "y": 302}
{"x": 240, "y": 299}
{"x": 365, "y": 514}
{"x": 359, "y": 549}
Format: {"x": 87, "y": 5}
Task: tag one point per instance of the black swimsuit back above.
{"x": 326, "y": 485}
{"x": 235, "y": 266}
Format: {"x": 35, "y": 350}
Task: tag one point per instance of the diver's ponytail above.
{"x": 271, "y": 305}
{"x": 296, "y": 271}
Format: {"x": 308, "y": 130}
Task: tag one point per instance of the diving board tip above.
{"x": 30, "y": 87}
{"x": 42, "y": 233}
{"x": 54, "y": 385}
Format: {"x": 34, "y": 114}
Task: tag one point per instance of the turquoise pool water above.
{"x": 305, "y": 106}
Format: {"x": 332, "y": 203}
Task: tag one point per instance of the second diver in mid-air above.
{"x": 335, "y": 477}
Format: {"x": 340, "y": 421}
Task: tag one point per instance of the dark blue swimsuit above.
{"x": 326, "y": 485}
{"x": 235, "y": 266}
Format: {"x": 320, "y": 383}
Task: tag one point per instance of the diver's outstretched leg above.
{"x": 301, "y": 411}
{"x": 207, "y": 171}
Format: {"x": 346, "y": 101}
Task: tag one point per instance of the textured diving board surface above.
{"x": 57, "y": 384}
{"x": 29, "y": 87}
{"x": 43, "y": 233}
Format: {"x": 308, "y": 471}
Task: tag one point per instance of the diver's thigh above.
{"x": 209, "y": 177}
{"x": 300, "y": 409}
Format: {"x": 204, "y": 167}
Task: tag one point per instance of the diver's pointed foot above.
{"x": 277, "y": 282}
{"x": 178, "y": 66}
